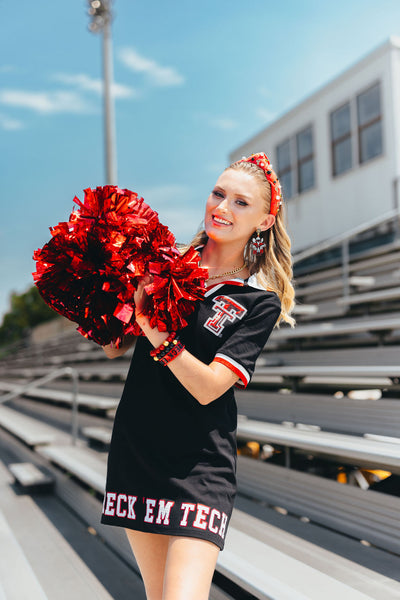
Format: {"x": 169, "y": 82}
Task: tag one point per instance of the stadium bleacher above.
{"x": 304, "y": 405}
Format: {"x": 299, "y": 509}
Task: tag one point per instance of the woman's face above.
{"x": 236, "y": 208}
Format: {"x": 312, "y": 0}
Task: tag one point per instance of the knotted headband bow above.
{"x": 261, "y": 160}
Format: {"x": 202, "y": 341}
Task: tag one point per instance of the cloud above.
{"x": 157, "y": 74}
{"x": 46, "y": 102}
{"x": 167, "y": 194}
{"x": 89, "y": 84}
{"x": 265, "y": 115}
{"x": 184, "y": 223}
{"x": 215, "y": 168}
{"x": 264, "y": 91}
{"x": 6, "y": 68}
{"x": 221, "y": 123}
{"x": 178, "y": 209}
{"x": 10, "y": 124}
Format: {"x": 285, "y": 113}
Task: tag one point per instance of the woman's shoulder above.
{"x": 265, "y": 294}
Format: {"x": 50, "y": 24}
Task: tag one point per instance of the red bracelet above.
{"x": 164, "y": 345}
{"x": 171, "y": 354}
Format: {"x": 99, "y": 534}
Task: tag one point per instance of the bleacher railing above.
{"x": 392, "y": 215}
{"x": 56, "y": 374}
{"x": 343, "y": 240}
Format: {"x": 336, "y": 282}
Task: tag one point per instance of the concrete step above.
{"x": 17, "y": 579}
{"x": 36, "y": 561}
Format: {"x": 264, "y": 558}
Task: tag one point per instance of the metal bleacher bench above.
{"x": 340, "y": 327}
{"x": 89, "y": 401}
{"x": 377, "y": 296}
{"x": 363, "y": 514}
{"x": 379, "y": 376}
{"x": 97, "y": 435}
{"x": 81, "y": 462}
{"x": 31, "y": 478}
{"x": 31, "y": 431}
{"x": 343, "y": 415}
{"x": 252, "y": 561}
{"x": 350, "y": 449}
{"x": 361, "y": 451}
{"x": 332, "y": 285}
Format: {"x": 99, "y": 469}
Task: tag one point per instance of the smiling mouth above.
{"x": 220, "y": 221}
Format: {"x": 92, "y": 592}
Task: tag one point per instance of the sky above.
{"x": 192, "y": 81}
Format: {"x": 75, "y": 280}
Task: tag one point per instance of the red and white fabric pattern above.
{"x": 234, "y": 366}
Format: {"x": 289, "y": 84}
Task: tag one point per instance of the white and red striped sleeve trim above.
{"x": 234, "y": 366}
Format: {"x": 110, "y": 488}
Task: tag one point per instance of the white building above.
{"x": 337, "y": 153}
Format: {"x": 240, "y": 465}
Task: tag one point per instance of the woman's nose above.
{"x": 223, "y": 205}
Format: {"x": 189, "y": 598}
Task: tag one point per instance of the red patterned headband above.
{"x": 261, "y": 160}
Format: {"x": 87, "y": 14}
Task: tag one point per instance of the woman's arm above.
{"x": 205, "y": 382}
{"x": 113, "y": 352}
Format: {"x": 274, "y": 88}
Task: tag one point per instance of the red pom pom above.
{"x": 89, "y": 270}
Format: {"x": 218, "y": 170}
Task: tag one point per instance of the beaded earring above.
{"x": 257, "y": 246}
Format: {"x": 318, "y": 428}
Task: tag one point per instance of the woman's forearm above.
{"x": 205, "y": 382}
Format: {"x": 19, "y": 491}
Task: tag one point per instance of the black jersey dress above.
{"x": 172, "y": 461}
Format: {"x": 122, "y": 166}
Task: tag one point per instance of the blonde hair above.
{"x": 273, "y": 268}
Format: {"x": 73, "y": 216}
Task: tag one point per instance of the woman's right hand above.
{"x": 140, "y": 299}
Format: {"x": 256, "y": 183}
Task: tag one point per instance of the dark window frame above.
{"x": 339, "y": 140}
{"x": 377, "y": 119}
{"x": 290, "y": 168}
{"x": 304, "y": 159}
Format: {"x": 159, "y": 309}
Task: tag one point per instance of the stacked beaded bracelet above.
{"x": 170, "y": 339}
{"x": 168, "y": 350}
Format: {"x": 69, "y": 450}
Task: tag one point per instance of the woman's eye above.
{"x": 241, "y": 202}
{"x": 218, "y": 194}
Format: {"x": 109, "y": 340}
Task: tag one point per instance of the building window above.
{"x": 341, "y": 140}
{"x": 285, "y": 168}
{"x": 305, "y": 160}
{"x": 369, "y": 123}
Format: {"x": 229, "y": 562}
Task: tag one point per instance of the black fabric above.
{"x": 172, "y": 461}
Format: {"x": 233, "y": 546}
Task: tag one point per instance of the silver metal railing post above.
{"x": 345, "y": 267}
{"x": 75, "y": 407}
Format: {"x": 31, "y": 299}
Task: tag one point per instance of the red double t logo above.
{"x": 225, "y": 309}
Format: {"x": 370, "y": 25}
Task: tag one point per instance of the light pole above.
{"x": 100, "y": 12}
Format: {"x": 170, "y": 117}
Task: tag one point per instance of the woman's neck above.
{"x": 219, "y": 258}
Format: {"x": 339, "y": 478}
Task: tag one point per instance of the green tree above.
{"x": 27, "y": 310}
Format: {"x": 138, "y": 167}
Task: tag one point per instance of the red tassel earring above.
{"x": 257, "y": 246}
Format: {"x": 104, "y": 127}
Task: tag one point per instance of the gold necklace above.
{"x": 228, "y": 272}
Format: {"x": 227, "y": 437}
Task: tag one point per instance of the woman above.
{"x": 171, "y": 473}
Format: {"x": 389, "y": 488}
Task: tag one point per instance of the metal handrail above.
{"x": 347, "y": 235}
{"x": 73, "y": 373}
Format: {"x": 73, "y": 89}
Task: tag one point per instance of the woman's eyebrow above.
{"x": 219, "y": 187}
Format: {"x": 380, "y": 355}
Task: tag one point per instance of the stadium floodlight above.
{"x": 101, "y": 18}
